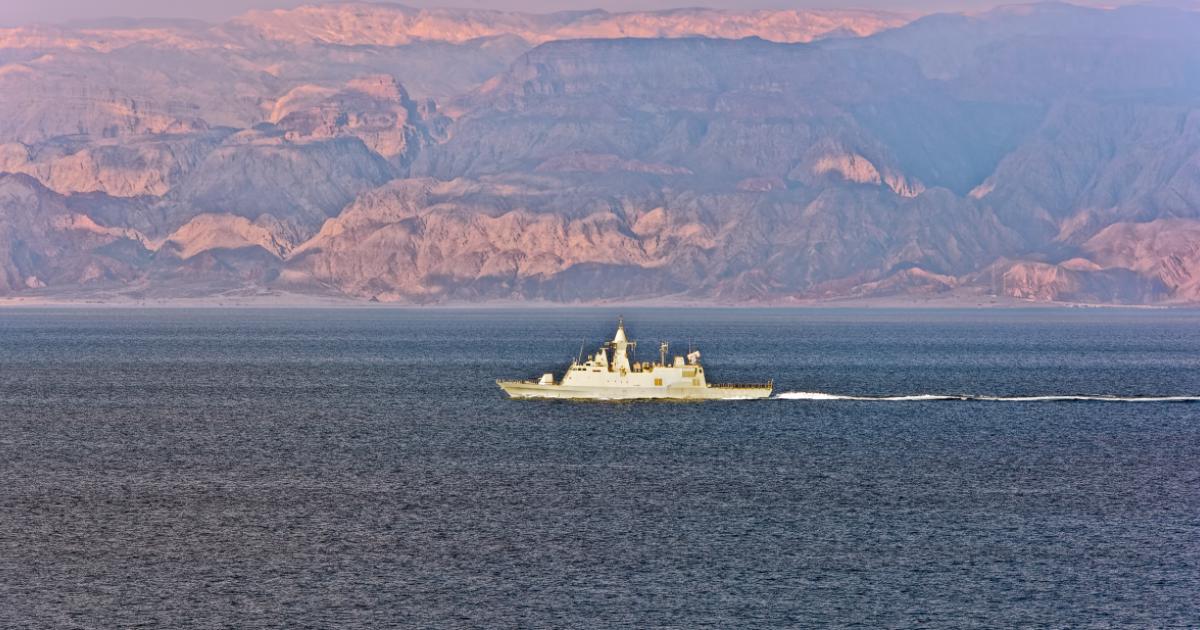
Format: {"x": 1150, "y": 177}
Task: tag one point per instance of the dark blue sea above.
{"x": 358, "y": 468}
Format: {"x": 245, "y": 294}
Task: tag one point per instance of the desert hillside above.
{"x": 1044, "y": 152}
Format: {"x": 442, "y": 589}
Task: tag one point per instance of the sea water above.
{"x": 360, "y": 468}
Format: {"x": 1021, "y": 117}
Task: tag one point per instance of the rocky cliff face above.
{"x": 619, "y": 234}
{"x": 1043, "y": 153}
{"x": 43, "y": 243}
{"x": 1164, "y": 252}
{"x": 375, "y": 109}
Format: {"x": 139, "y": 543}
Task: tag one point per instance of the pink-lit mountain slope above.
{"x": 1045, "y": 152}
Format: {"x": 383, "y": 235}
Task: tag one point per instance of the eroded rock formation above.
{"x": 1047, "y": 153}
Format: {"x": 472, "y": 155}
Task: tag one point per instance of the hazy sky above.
{"x": 17, "y": 12}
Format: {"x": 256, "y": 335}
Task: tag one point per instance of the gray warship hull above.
{"x": 533, "y": 389}
{"x": 617, "y": 377}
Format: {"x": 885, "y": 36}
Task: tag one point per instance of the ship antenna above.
{"x": 580, "y": 359}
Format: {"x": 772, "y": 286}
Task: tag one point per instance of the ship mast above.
{"x": 620, "y": 345}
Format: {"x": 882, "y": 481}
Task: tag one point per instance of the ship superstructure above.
{"x": 610, "y": 374}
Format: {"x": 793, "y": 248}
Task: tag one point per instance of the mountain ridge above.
{"x": 1046, "y": 153}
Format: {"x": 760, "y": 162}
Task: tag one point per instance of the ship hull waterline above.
{"x": 526, "y": 389}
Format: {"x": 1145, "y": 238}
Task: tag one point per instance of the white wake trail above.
{"x": 824, "y": 396}
{"x": 933, "y": 397}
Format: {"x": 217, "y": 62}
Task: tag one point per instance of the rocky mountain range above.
{"x": 1043, "y": 152}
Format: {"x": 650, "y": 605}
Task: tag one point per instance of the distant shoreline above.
{"x": 302, "y": 301}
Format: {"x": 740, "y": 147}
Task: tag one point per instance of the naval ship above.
{"x": 605, "y": 377}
